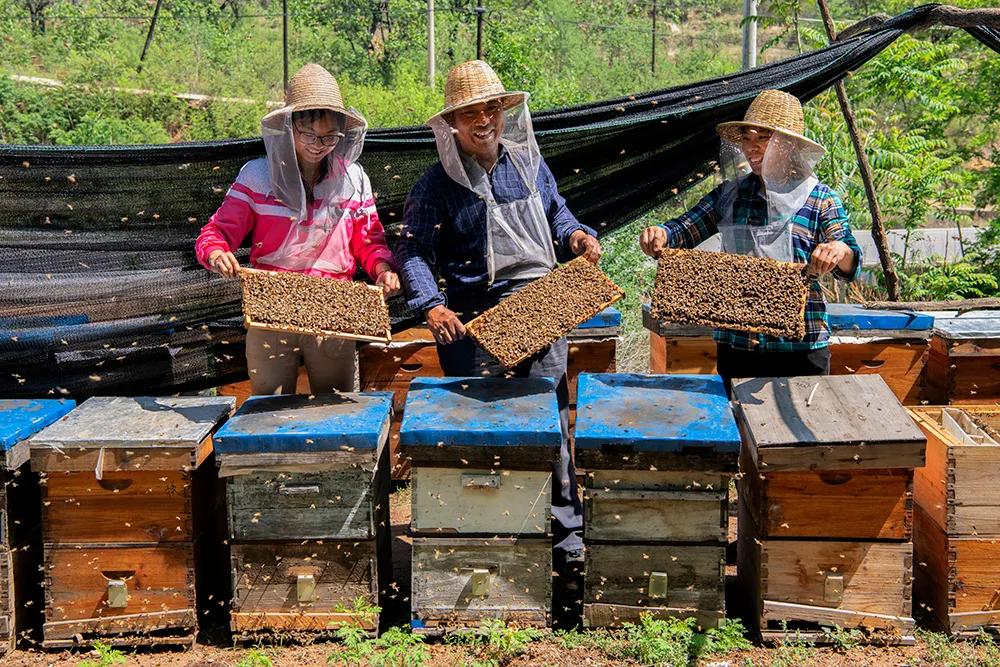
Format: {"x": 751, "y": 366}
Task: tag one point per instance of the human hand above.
{"x": 582, "y": 243}
{"x": 828, "y": 256}
{"x": 653, "y": 240}
{"x": 388, "y": 280}
{"x": 224, "y": 262}
{"x": 444, "y": 325}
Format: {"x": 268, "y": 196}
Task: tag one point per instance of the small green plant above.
{"x": 793, "y": 651}
{"x": 255, "y": 658}
{"x": 399, "y": 647}
{"x": 361, "y": 608}
{"x": 355, "y": 646}
{"x": 729, "y": 637}
{"x": 495, "y": 643}
{"x": 941, "y": 649}
{"x": 106, "y": 657}
{"x": 658, "y": 641}
{"x": 844, "y": 640}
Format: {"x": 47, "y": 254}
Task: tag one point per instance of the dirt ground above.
{"x": 547, "y": 651}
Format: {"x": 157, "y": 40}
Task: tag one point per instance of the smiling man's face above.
{"x": 754, "y": 144}
{"x": 478, "y": 128}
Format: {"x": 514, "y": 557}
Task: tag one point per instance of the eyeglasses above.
{"x": 310, "y": 138}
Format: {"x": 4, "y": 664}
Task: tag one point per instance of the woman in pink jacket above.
{"x": 309, "y": 208}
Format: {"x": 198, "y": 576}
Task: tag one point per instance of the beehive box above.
{"x": 957, "y": 523}
{"x": 543, "y": 312}
{"x": 593, "y": 347}
{"x": 126, "y": 502}
{"x": 964, "y": 362}
{"x": 297, "y": 303}
{"x": 19, "y": 518}
{"x": 731, "y": 292}
{"x": 482, "y": 451}
{"x": 892, "y": 344}
{"x": 659, "y": 451}
{"x": 825, "y": 514}
{"x": 307, "y": 498}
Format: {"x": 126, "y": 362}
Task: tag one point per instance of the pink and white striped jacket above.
{"x": 250, "y": 207}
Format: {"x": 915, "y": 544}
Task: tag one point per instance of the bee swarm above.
{"x": 733, "y": 292}
{"x": 314, "y": 304}
{"x": 543, "y": 312}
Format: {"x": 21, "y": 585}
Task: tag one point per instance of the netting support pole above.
{"x": 749, "y": 34}
{"x": 878, "y": 227}
{"x": 480, "y": 10}
{"x": 652, "y": 58}
{"x": 149, "y": 35}
{"x": 430, "y": 44}
{"x": 284, "y": 42}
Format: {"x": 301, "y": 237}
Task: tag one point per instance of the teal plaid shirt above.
{"x": 820, "y": 220}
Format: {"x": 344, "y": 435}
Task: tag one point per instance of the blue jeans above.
{"x": 464, "y": 358}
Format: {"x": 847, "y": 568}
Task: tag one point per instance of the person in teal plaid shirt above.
{"x": 777, "y": 209}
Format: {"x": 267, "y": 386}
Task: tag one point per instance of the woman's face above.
{"x": 316, "y": 138}
{"x": 754, "y": 144}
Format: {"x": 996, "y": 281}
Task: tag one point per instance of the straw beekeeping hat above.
{"x": 772, "y": 110}
{"x": 312, "y": 87}
{"x": 473, "y": 82}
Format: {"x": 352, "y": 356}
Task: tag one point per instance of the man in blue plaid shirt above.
{"x": 811, "y": 228}
{"x": 479, "y": 225}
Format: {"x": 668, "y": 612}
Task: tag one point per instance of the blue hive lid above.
{"x": 606, "y": 319}
{"x": 22, "y": 418}
{"x": 481, "y": 411}
{"x": 300, "y": 424}
{"x": 848, "y": 317}
{"x": 655, "y": 413}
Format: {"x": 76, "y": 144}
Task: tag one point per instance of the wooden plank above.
{"x": 844, "y": 618}
{"x": 158, "y": 579}
{"x": 901, "y": 363}
{"x": 114, "y": 460}
{"x": 128, "y": 507}
{"x": 626, "y": 458}
{"x": 931, "y": 572}
{"x": 8, "y": 633}
{"x": 663, "y": 480}
{"x": 876, "y": 575}
{"x": 589, "y": 356}
{"x": 748, "y": 559}
{"x": 655, "y": 515}
{"x": 843, "y": 457}
{"x": 518, "y": 575}
{"x": 621, "y": 574}
{"x": 316, "y": 622}
{"x": 266, "y": 576}
{"x": 974, "y": 584}
{"x": 843, "y": 411}
{"x": 596, "y": 615}
{"x": 178, "y": 619}
{"x": 930, "y": 482}
{"x": 867, "y": 504}
{"x": 483, "y": 501}
{"x": 180, "y": 639}
{"x": 133, "y": 422}
{"x": 301, "y": 505}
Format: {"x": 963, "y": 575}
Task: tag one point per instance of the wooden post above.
{"x": 149, "y": 35}
{"x": 480, "y": 10}
{"x": 430, "y": 43}
{"x": 652, "y": 59}
{"x": 284, "y": 41}
{"x": 878, "y": 227}
{"x": 749, "y": 34}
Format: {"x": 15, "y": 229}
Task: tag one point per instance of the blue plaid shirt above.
{"x": 822, "y": 219}
{"x": 444, "y": 229}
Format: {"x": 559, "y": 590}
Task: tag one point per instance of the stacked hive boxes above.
{"x": 659, "y": 451}
{"x": 964, "y": 362}
{"x": 412, "y": 353}
{"x": 19, "y": 506}
{"x": 892, "y": 344}
{"x": 482, "y": 451}
{"x": 826, "y": 503}
{"x": 308, "y": 507}
{"x": 122, "y": 504}
{"x": 956, "y": 529}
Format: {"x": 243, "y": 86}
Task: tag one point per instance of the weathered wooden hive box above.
{"x": 125, "y": 503}
{"x": 892, "y": 344}
{"x": 307, "y": 497}
{"x": 19, "y": 512}
{"x": 481, "y": 451}
{"x": 956, "y": 540}
{"x": 659, "y": 452}
{"x": 412, "y": 353}
{"x": 826, "y": 512}
{"x": 964, "y": 362}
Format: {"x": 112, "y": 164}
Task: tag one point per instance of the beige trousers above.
{"x": 273, "y": 362}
